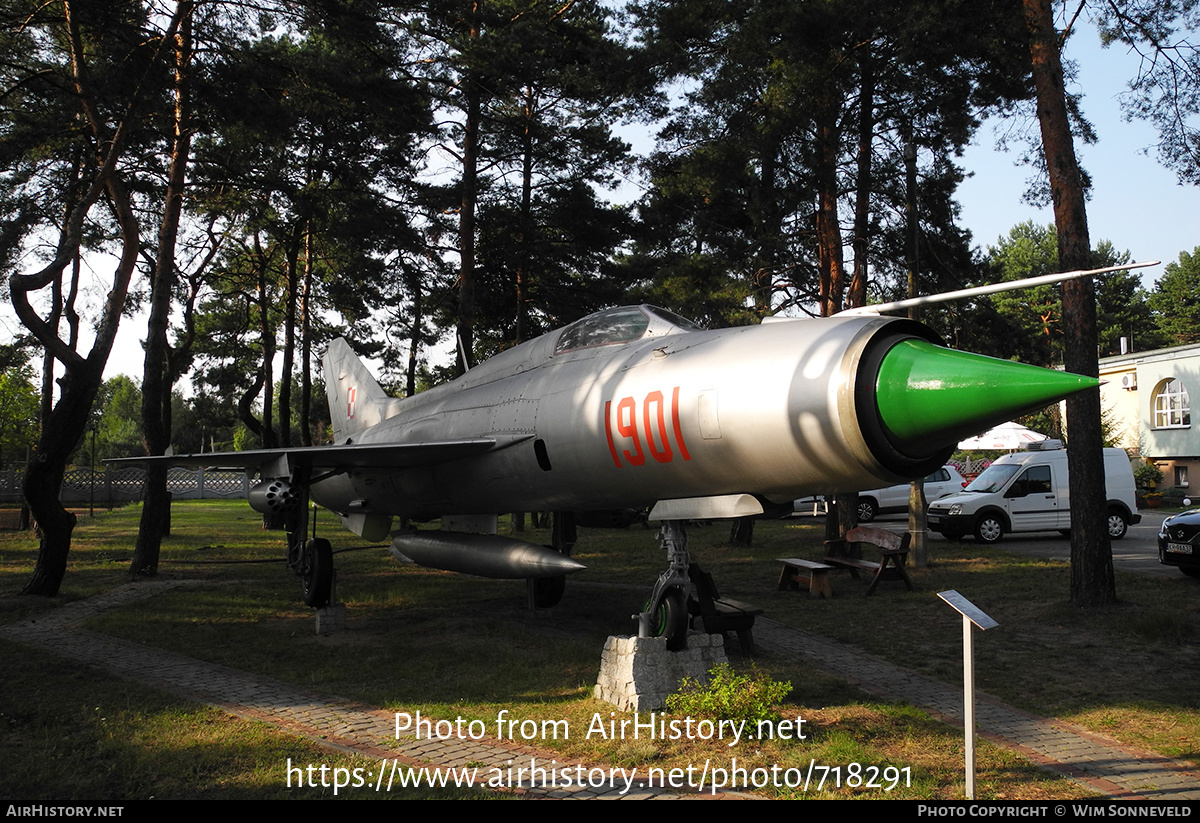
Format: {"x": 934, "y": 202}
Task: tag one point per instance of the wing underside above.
{"x": 343, "y": 457}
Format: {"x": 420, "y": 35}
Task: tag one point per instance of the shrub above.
{"x": 730, "y": 696}
{"x": 1147, "y": 475}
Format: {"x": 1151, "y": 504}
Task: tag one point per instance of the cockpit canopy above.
{"x": 621, "y": 325}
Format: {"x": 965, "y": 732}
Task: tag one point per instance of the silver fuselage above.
{"x": 777, "y": 411}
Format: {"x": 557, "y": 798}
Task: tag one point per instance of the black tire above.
{"x": 1190, "y": 571}
{"x": 989, "y": 529}
{"x": 317, "y": 573}
{"x": 671, "y": 619}
{"x": 548, "y": 591}
{"x": 867, "y": 509}
{"x": 1117, "y": 527}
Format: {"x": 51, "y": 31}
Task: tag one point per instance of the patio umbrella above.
{"x": 1005, "y": 436}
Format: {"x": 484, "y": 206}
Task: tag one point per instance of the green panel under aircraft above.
{"x": 634, "y": 409}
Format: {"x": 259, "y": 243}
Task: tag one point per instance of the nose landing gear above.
{"x": 666, "y": 612}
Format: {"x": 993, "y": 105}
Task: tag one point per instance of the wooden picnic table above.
{"x": 814, "y": 575}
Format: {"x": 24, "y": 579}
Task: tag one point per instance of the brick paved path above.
{"x": 355, "y": 728}
{"x": 1098, "y": 763}
{"x": 1095, "y": 761}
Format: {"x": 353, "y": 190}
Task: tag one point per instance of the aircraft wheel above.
{"x": 548, "y": 591}
{"x": 989, "y": 528}
{"x": 671, "y": 619}
{"x": 866, "y": 510}
{"x": 317, "y": 573}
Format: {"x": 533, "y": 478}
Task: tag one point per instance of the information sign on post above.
{"x": 971, "y": 615}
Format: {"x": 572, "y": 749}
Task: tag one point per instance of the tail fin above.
{"x": 356, "y": 400}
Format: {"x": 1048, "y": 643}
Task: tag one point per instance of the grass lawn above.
{"x": 452, "y": 645}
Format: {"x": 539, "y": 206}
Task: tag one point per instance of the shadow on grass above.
{"x": 461, "y": 645}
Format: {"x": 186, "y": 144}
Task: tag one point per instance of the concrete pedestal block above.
{"x": 331, "y": 619}
{"x": 638, "y": 673}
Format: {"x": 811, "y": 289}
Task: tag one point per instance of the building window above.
{"x": 1171, "y": 407}
{"x": 1181, "y": 476}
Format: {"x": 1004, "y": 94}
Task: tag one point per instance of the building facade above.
{"x": 1146, "y": 400}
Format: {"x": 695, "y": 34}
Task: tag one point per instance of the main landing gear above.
{"x": 546, "y": 592}
{"x": 316, "y": 572}
{"x": 312, "y": 561}
{"x": 666, "y": 613}
{"x": 310, "y": 558}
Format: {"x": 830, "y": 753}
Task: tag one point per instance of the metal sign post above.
{"x": 971, "y": 614}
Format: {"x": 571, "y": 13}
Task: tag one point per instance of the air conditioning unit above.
{"x": 1129, "y": 381}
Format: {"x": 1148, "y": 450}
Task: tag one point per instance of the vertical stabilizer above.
{"x": 356, "y": 400}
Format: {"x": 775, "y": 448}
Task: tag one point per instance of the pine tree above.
{"x": 1176, "y": 298}
{"x": 94, "y": 70}
{"x": 1092, "y": 580}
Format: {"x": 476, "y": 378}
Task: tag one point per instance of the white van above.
{"x": 1027, "y": 491}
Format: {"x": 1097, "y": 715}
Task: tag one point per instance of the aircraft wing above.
{"x": 340, "y": 458}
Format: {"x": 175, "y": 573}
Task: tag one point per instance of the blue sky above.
{"x": 1136, "y": 203}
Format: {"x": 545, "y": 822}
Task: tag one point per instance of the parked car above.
{"x": 1179, "y": 542}
{"x": 892, "y": 499}
{"x": 1028, "y": 491}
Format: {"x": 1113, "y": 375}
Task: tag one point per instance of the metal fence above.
{"x": 112, "y": 486}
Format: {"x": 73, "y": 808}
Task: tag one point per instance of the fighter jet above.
{"x": 632, "y": 409}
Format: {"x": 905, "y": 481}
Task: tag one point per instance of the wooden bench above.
{"x": 719, "y": 615}
{"x": 893, "y": 549}
{"x": 813, "y": 574}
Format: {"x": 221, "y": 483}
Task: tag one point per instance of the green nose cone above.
{"x": 936, "y": 396}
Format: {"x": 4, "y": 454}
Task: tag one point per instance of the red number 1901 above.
{"x": 653, "y": 425}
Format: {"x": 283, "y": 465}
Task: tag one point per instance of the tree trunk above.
{"x": 525, "y": 235}
{"x": 918, "y": 505}
{"x": 414, "y": 338}
{"x": 306, "y": 435}
{"x": 1092, "y": 581}
{"x": 292, "y": 282}
{"x": 863, "y": 179}
{"x": 245, "y": 407}
{"x": 466, "y": 217}
{"x": 765, "y": 212}
{"x": 157, "y": 379}
{"x": 44, "y": 478}
{"x": 67, "y": 422}
{"x": 741, "y": 531}
{"x": 267, "y": 334}
{"x": 840, "y": 516}
{"x": 829, "y": 233}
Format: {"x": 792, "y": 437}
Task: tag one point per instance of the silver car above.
{"x": 892, "y": 499}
